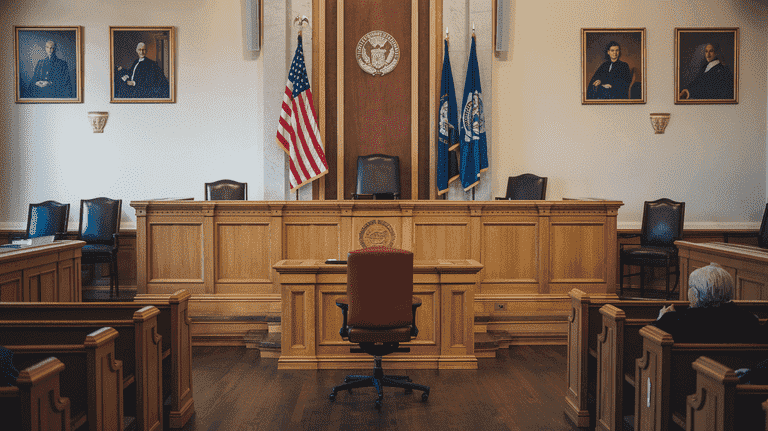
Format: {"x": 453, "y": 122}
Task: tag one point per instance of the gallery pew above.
{"x": 721, "y": 403}
{"x": 92, "y": 379}
{"x": 138, "y": 346}
{"x": 174, "y": 326}
{"x": 620, "y": 344}
{"x": 658, "y": 402}
{"x": 584, "y": 325}
{"x": 35, "y": 403}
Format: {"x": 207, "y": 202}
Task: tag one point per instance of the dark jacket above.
{"x": 56, "y": 72}
{"x": 150, "y": 81}
{"x": 619, "y": 77}
{"x": 715, "y": 84}
{"x": 724, "y": 324}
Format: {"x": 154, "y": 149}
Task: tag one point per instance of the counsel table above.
{"x": 747, "y": 264}
{"x": 46, "y": 273}
{"x": 311, "y": 320}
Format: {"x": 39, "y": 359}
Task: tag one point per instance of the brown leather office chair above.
{"x": 526, "y": 187}
{"x": 379, "y": 313}
{"x": 226, "y": 190}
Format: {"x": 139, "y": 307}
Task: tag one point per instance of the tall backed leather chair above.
{"x": 762, "y": 234}
{"x": 526, "y": 187}
{"x": 662, "y": 226}
{"x": 47, "y": 218}
{"x": 99, "y": 228}
{"x": 378, "y": 177}
{"x": 226, "y": 190}
{"x": 379, "y": 313}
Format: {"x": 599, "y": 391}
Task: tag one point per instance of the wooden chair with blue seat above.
{"x": 226, "y": 190}
{"x": 99, "y": 228}
{"x": 378, "y": 177}
{"x": 46, "y": 218}
{"x": 526, "y": 187}
{"x": 379, "y": 313}
{"x": 662, "y": 226}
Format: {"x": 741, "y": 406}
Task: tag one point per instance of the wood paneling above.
{"x": 44, "y": 273}
{"x": 175, "y": 252}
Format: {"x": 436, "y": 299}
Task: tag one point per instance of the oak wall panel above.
{"x": 175, "y": 252}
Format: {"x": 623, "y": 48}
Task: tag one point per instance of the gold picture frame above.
{"x": 707, "y": 65}
{"x": 48, "y": 64}
{"x": 609, "y": 80}
{"x": 142, "y": 77}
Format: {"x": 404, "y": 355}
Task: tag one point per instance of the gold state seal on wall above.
{"x": 377, "y": 233}
{"x": 377, "y": 53}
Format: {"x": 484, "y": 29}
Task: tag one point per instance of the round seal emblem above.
{"x": 377, "y": 53}
{"x": 377, "y": 233}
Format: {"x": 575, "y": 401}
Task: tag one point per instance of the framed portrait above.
{"x": 48, "y": 64}
{"x": 706, "y": 66}
{"x": 142, "y": 63}
{"x": 613, "y": 66}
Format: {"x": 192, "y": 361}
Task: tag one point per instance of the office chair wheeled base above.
{"x": 378, "y": 380}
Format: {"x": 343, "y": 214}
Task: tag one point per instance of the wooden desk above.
{"x": 311, "y": 320}
{"x": 46, "y": 273}
{"x": 223, "y": 252}
{"x": 747, "y": 264}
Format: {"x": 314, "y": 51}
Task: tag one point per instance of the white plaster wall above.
{"x": 216, "y": 128}
{"x": 713, "y": 157}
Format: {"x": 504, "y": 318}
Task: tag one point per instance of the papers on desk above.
{"x": 32, "y": 242}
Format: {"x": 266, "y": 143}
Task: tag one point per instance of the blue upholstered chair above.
{"x": 526, "y": 187}
{"x": 226, "y": 190}
{"x": 378, "y": 177}
{"x": 99, "y": 228}
{"x": 47, "y": 218}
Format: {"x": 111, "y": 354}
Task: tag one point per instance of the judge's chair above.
{"x": 226, "y": 190}
{"x": 762, "y": 234}
{"x": 662, "y": 226}
{"x": 99, "y": 228}
{"x": 46, "y": 218}
{"x": 379, "y": 313}
{"x": 378, "y": 177}
{"x": 526, "y": 187}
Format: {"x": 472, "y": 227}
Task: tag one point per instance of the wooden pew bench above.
{"x": 619, "y": 345}
{"x": 585, "y": 324}
{"x": 92, "y": 379}
{"x": 138, "y": 345}
{"x": 664, "y": 375}
{"x": 721, "y": 403}
{"x": 174, "y": 323}
{"x": 35, "y": 403}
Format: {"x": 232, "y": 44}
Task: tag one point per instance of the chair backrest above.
{"x": 762, "y": 237}
{"x": 378, "y": 173}
{"x": 527, "y": 187}
{"x": 47, "y": 218}
{"x": 99, "y": 219}
{"x": 379, "y": 288}
{"x": 662, "y": 223}
{"x": 226, "y": 190}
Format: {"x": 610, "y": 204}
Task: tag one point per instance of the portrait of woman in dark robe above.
{"x": 612, "y": 78}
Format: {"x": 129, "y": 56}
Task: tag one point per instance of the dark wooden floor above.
{"x": 523, "y": 388}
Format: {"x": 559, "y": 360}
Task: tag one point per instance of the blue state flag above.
{"x": 447, "y": 129}
{"x": 474, "y": 147}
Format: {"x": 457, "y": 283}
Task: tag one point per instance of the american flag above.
{"x": 297, "y": 130}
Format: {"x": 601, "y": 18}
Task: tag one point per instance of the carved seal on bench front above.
{"x": 377, "y": 233}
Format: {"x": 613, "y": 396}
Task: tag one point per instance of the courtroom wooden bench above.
{"x": 35, "y": 403}
{"x": 721, "y": 403}
{"x": 658, "y": 402}
{"x": 138, "y": 345}
{"x": 92, "y": 379}
{"x": 620, "y": 344}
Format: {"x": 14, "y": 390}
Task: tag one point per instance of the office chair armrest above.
{"x": 342, "y": 303}
{"x": 728, "y": 235}
{"x": 414, "y": 306}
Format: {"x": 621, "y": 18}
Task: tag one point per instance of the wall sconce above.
{"x": 659, "y": 122}
{"x": 98, "y": 120}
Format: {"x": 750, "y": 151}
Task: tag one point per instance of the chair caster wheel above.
{"x": 377, "y": 404}
{"x": 425, "y": 396}
{"x": 332, "y": 397}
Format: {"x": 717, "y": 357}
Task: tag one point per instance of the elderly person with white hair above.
{"x": 711, "y": 317}
{"x": 144, "y": 79}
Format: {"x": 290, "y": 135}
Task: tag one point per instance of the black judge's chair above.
{"x": 226, "y": 190}
{"x": 378, "y": 177}
{"x": 47, "y": 218}
{"x": 762, "y": 234}
{"x": 526, "y": 187}
{"x": 662, "y": 226}
{"x": 99, "y": 228}
{"x": 379, "y": 313}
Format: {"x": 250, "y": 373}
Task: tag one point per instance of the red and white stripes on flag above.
{"x": 297, "y": 130}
